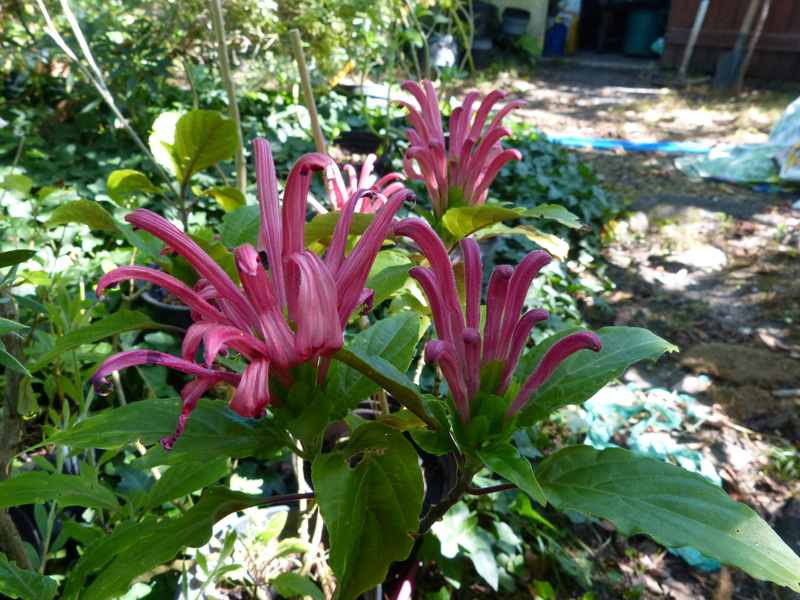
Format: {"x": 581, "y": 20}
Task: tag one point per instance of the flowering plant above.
{"x": 278, "y": 366}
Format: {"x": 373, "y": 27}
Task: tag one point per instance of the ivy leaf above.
{"x": 370, "y": 509}
{"x": 676, "y": 507}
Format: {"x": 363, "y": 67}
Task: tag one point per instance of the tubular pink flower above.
{"x": 561, "y": 350}
{"x": 383, "y": 188}
{"x": 442, "y": 353}
{"x": 475, "y": 152}
{"x": 459, "y": 349}
{"x": 291, "y": 308}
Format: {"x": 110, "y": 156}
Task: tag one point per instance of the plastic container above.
{"x": 555, "y": 40}
{"x": 643, "y": 28}
{"x": 485, "y": 20}
{"x": 515, "y": 22}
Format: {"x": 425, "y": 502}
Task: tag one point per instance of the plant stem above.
{"x": 490, "y": 490}
{"x": 230, "y": 88}
{"x": 308, "y": 92}
{"x": 438, "y": 511}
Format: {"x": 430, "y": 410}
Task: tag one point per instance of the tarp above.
{"x": 777, "y": 161}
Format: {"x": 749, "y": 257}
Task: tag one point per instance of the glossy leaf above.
{"x": 15, "y": 257}
{"x": 181, "y": 480}
{"x": 19, "y": 583}
{"x": 291, "y": 584}
{"x": 370, "y": 508}
{"x": 202, "y": 139}
{"x": 547, "y": 241}
{"x": 387, "y": 376}
{"x": 122, "y": 183}
{"x": 132, "y": 549}
{"x": 214, "y": 430}
{"x": 505, "y": 460}
{"x": 463, "y": 221}
{"x": 676, "y": 507}
{"x": 240, "y": 226}
{"x": 68, "y": 490}
{"x": 87, "y": 212}
{"x": 393, "y": 339}
{"x": 388, "y": 274}
{"x": 584, "y": 373}
{"x": 8, "y": 361}
{"x": 229, "y": 198}
{"x": 322, "y": 226}
{"x": 118, "y": 322}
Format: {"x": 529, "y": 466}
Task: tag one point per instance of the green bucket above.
{"x": 643, "y": 28}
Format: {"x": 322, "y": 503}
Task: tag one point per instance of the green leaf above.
{"x": 67, "y": 490}
{"x": 118, "y": 322}
{"x": 181, "y": 480}
{"x": 15, "y": 257}
{"x": 584, "y": 373}
{"x": 124, "y": 182}
{"x": 16, "y": 182}
{"x": 553, "y": 244}
{"x": 229, "y": 198}
{"x": 162, "y": 139}
{"x": 388, "y": 377}
{"x": 202, "y": 139}
{"x": 388, "y": 274}
{"x": 322, "y": 226}
{"x": 146, "y": 420}
{"x": 370, "y": 509}
{"x": 291, "y": 584}
{"x": 214, "y": 430}
{"x": 87, "y": 212}
{"x": 8, "y": 361}
{"x": 132, "y": 549}
{"x": 394, "y": 340}
{"x": 240, "y": 226}
{"x": 27, "y": 585}
{"x": 7, "y": 325}
{"x": 505, "y": 460}
{"x": 463, "y": 221}
{"x": 675, "y": 507}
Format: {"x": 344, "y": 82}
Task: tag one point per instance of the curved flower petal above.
{"x": 252, "y": 395}
{"x": 442, "y": 353}
{"x": 561, "y": 350}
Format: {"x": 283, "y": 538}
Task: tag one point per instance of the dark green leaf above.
{"x": 240, "y": 226}
{"x": 67, "y": 490}
{"x": 181, "y": 480}
{"x": 370, "y": 509}
{"x": 584, "y": 373}
{"x": 10, "y": 362}
{"x": 388, "y": 274}
{"x": 506, "y": 461}
{"x": 388, "y": 377}
{"x": 118, "y": 322}
{"x": 15, "y": 257}
{"x": 19, "y": 583}
{"x": 132, "y": 549}
{"x": 674, "y": 506}
{"x": 393, "y": 339}
{"x": 292, "y": 584}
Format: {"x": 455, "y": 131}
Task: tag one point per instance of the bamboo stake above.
{"x": 305, "y": 82}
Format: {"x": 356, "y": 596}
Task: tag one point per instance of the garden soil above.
{"x": 711, "y": 267}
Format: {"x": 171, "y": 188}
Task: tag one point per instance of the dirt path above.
{"x": 712, "y": 268}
